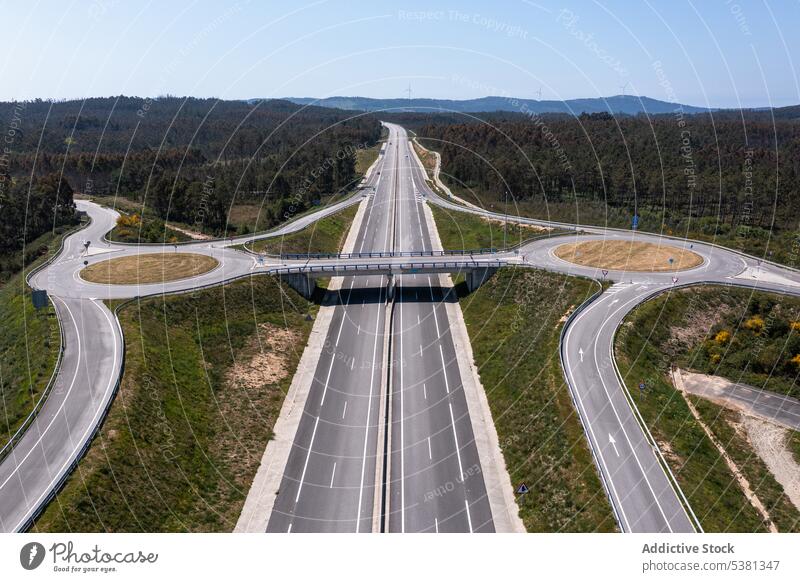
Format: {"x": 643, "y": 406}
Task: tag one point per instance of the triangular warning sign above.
{"x": 522, "y": 489}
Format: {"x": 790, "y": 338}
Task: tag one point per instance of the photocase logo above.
{"x": 31, "y": 555}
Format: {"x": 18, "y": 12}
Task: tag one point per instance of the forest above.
{"x": 726, "y": 171}
{"x": 184, "y": 159}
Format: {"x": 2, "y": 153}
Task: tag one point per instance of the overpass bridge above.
{"x": 301, "y": 271}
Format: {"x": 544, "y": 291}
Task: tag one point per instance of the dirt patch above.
{"x": 520, "y": 225}
{"x": 268, "y": 362}
{"x": 257, "y": 381}
{"x": 427, "y": 157}
{"x": 623, "y": 255}
{"x": 192, "y": 234}
{"x": 770, "y": 442}
{"x": 149, "y": 268}
{"x": 670, "y": 455}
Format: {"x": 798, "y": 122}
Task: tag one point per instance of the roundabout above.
{"x": 149, "y": 268}
{"x": 628, "y": 255}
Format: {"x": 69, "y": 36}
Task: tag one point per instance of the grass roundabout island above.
{"x": 627, "y": 255}
{"x": 148, "y": 268}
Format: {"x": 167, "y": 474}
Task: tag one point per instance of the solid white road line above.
{"x": 444, "y": 369}
{"x": 469, "y": 517}
{"x": 455, "y": 438}
{"x": 305, "y": 465}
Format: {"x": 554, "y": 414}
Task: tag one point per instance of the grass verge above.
{"x": 676, "y": 329}
{"x": 205, "y": 377}
{"x": 366, "y": 157}
{"x": 461, "y": 230}
{"x": 323, "y": 236}
{"x": 514, "y": 322}
{"x": 30, "y": 340}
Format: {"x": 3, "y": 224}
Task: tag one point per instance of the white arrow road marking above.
{"x": 580, "y": 353}
{"x": 613, "y": 443}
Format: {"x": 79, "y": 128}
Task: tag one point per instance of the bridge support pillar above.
{"x": 390, "y": 287}
{"x": 477, "y": 277}
{"x": 301, "y": 283}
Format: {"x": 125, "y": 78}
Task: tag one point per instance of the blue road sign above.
{"x": 39, "y": 298}
{"x": 635, "y": 221}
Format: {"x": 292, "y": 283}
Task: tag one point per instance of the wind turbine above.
{"x": 409, "y": 91}
{"x": 539, "y": 93}
{"x": 622, "y": 88}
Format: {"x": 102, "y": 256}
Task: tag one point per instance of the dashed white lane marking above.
{"x": 469, "y": 517}
{"x": 435, "y": 523}
{"x": 430, "y": 453}
{"x": 425, "y": 391}
{"x": 333, "y": 474}
{"x": 344, "y": 411}
{"x": 305, "y": 465}
{"x": 290, "y": 529}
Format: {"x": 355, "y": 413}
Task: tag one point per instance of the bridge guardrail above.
{"x": 385, "y": 254}
{"x": 445, "y": 265}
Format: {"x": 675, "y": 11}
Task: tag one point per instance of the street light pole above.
{"x": 505, "y": 224}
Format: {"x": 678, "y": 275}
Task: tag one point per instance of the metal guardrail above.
{"x": 571, "y": 389}
{"x": 385, "y": 254}
{"x": 95, "y": 429}
{"x": 19, "y": 433}
{"x": 52, "y": 380}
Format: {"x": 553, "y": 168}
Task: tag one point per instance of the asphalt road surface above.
{"x": 329, "y": 481}
{"x": 329, "y": 485}
{"x": 436, "y": 480}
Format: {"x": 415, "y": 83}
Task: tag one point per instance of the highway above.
{"x": 436, "y": 478}
{"x": 330, "y": 484}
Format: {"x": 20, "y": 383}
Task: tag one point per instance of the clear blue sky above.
{"x": 711, "y": 52}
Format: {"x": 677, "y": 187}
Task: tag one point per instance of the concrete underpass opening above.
{"x": 304, "y": 282}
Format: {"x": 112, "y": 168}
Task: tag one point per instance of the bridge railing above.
{"x": 385, "y": 254}
{"x": 409, "y": 268}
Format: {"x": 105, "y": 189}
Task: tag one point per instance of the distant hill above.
{"x": 618, "y": 104}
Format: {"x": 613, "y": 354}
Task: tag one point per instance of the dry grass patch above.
{"x": 622, "y": 255}
{"x": 149, "y": 268}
